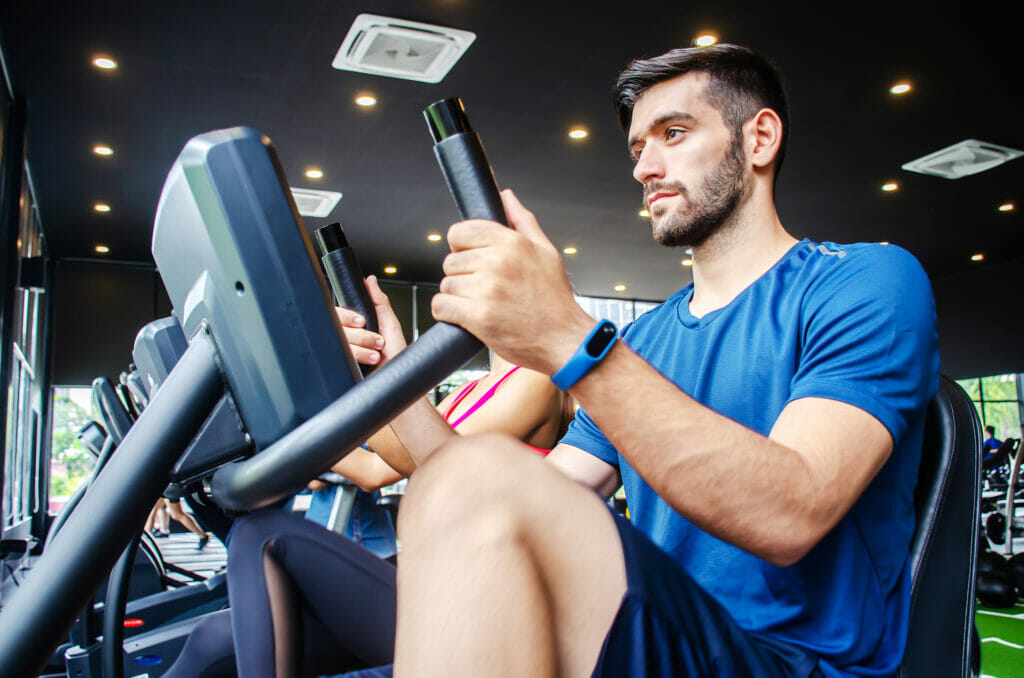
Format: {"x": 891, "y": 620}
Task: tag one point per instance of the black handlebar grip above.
{"x": 344, "y": 273}
{"x": 463, "y": 162}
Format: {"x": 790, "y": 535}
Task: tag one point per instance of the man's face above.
{"x": 691, "y": 165}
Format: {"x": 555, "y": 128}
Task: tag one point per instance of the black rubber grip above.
{"x": 345, "y": 274}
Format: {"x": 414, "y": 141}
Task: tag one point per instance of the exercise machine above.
{"x": 264, "y": 348}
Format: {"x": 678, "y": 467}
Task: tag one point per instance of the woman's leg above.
{"x": 151, "y": 518}
{"x": 209, "y": 651}
{"x": 305, "y": 600}
{"x": 185, "y": 519}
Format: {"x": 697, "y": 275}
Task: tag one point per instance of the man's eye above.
{"x": 673, "y": 133}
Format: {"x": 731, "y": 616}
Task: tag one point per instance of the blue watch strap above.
{"x": 593, "y": 349}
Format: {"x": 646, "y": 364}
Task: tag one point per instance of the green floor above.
{"x": 1002, "y": 641}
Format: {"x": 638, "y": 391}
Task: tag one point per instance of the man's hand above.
{"x": 508, "y": 287}
{"x": 369, "y": 348}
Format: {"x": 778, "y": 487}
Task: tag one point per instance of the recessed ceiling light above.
{"x": 977, "y": 257}
{"x": 434, "y": 237}
{"x": 645, "y": 214}
{"x": 687, "y": 262}
{"x": 569, "y": 250}
{"x": 315, "y": 173}
{"x": 102, "y": 249}
{"x": 705, "y": 40}
{"x": 101, "y": 207}
{"x": 1006, "y": 207}
{"x": 102, "y": 149}
{"x": 366, "y": 100}
{"x": 391, "y": 270}
{"x": 900, "y": 88}
{"x": 890, "y": 187}
{"x": 104, "y": 62}
{"x": 578, "y": 133}
{"x": 620, "y": 288}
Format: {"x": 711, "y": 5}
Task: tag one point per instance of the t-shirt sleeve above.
{"x": 584, "y": 434}
{"x": 870, "y": 337}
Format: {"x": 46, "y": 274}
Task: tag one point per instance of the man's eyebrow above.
{"x": 663, "y": 119}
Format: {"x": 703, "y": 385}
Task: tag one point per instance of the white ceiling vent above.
{"x": 397, "y": 48}
{"x": 962, "y": 159}
{"x": 313, "y": 203}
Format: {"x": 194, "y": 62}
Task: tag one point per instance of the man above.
{"x": 991, "y": 444}
{"x": 766, "y": 422}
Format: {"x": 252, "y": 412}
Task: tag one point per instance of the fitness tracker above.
{"x": 593, "y": 349}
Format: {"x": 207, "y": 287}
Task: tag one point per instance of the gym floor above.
{"x": 1002, "y": 641}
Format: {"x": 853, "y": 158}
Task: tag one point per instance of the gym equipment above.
{"x": 262, "y": 339}
{"x": 995, "y": 528}
{"x": 1016, "y": 572}
{"x": 280, "y": 470}
{"x": 141, "y": 588}
{"x": 994, "y": 590}
{"x": 344, "y": 273}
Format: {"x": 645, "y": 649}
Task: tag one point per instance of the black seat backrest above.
{"x": 942, "y": 553}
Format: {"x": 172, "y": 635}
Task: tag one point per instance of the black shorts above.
{"x": 667, "y": 625}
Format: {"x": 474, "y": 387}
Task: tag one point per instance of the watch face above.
{"x": 603, "y": 336}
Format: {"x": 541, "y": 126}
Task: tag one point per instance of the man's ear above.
{"x": 765, "y": 128}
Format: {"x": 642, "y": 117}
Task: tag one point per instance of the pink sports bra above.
{"x": 465, "y": 391}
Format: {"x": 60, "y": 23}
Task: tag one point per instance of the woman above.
{"x": 306, "y": 601}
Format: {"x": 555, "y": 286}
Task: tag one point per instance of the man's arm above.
{"x": 585, "y": 468}
{"x": 774, "y": 496}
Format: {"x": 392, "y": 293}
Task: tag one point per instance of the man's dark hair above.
{"x": 741, "y": 83}
{"x": 990, "y": 430}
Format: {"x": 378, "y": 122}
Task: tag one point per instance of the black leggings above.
{"x": 303, "y": 599}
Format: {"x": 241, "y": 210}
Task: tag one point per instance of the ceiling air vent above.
{"x": 314, "y": 203}
{"x": 397, "y": 48}
{"x": 962, "y": 159}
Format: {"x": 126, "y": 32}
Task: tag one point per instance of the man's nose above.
{"x": 648, "y": 166}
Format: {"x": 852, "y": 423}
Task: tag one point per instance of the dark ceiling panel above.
{"x": 535, "y": 69}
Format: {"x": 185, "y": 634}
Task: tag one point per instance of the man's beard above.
{"x": 696, "y": 219}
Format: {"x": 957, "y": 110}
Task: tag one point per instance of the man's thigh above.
{"x": 496, "y": 490}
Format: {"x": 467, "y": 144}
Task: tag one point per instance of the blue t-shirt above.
{"x": 854, "y": 323}
{"x": 369, "y": 524}
{"x": 990, "y": 446}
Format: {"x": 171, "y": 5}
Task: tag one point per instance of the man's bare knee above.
{"x": 461, "y": 479}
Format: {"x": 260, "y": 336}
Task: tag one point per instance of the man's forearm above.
{"x": 730, "y": 481}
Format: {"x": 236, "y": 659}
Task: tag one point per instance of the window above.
{"x": 70, "y": 462}
{"x": 619, "y": 311}
{"x": 998, "y": 400}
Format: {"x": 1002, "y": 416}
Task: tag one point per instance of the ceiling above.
{"x": 535, "y": 70}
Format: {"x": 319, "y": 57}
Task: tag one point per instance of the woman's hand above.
{"x": 370, "y": 348}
